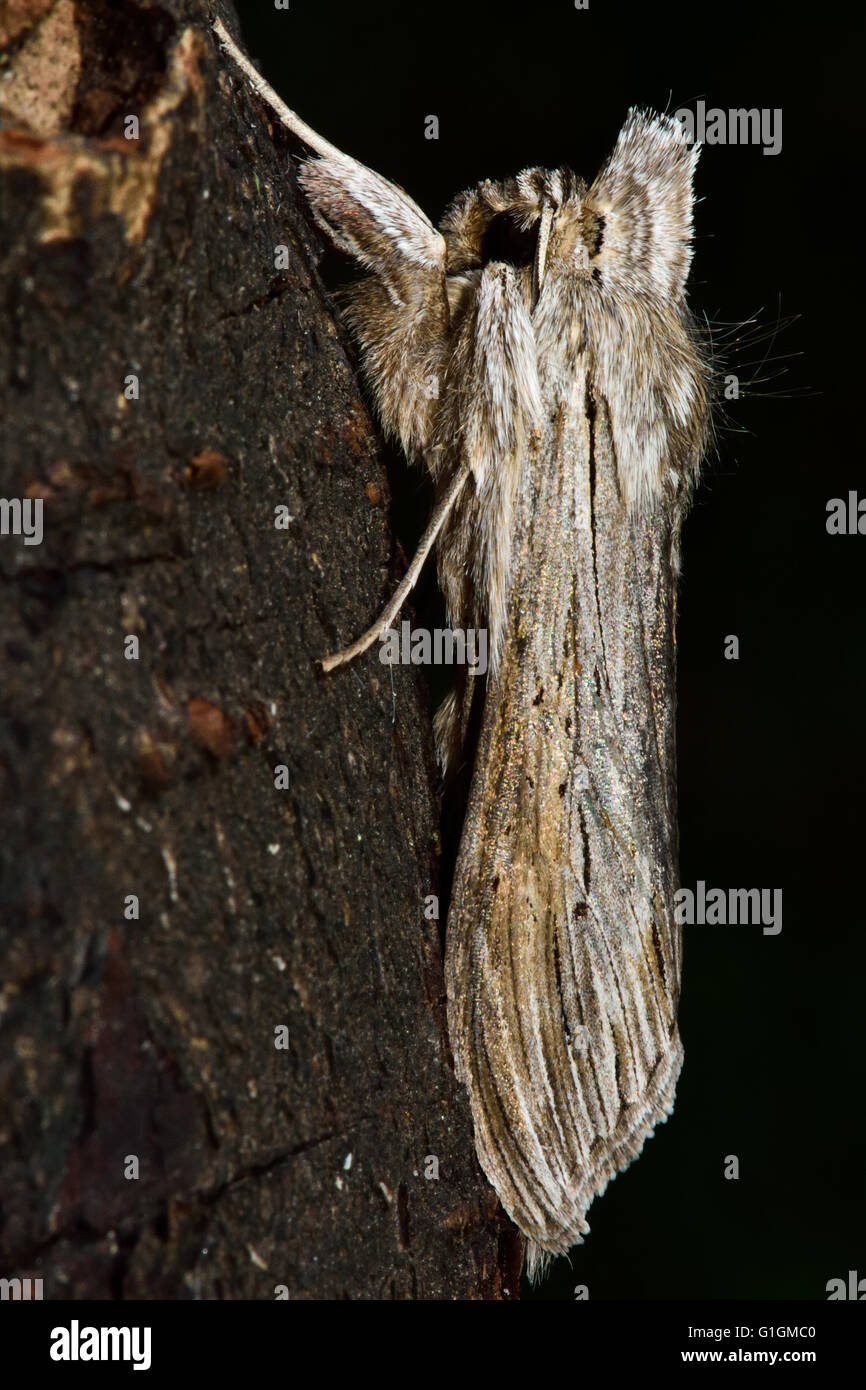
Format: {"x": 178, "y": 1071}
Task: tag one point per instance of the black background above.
{"x": 770, "y": 746}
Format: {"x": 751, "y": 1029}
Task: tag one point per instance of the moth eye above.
{"x": 503, "y": 240}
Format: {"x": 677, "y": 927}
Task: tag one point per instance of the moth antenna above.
{"x": 410, "y": 578}
{"x": 263, "y": 89}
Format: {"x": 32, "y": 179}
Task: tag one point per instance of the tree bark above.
{"x": 168, "y": 383}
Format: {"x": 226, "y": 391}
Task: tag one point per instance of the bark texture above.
{"x": 164, "y": 389}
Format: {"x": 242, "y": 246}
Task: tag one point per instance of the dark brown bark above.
{"x": 155, "y": 777}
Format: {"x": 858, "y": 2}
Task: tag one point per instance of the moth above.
{"x": 537, "y": 353}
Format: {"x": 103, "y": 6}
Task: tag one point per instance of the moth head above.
{"x": 630, "y": 231}
{"x": 511, "y": 222}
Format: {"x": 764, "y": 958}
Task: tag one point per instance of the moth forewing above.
{"x": 538, "y": 354}
{"x": 563, "y": 957}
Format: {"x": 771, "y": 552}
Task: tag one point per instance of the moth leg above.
{"x": 264, "y": 90}
{"x": 399, "y": 314}
{"x": 362, "y": 213}
{"x": 410, "y": 579}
